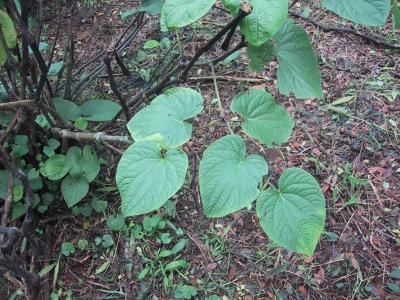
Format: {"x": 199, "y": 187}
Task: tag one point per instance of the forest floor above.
{"x": 353, "y": 151}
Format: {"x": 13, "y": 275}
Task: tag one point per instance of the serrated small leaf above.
{"x": 164, "y": 119}
{"x": 74, "y": 189}
{"x": 147, "y": 176}
{"x": 179, "y": 13}
{"x": 294, "y": 215}
{"x": 264, "y": 119}
{"x": 100, "y": 110}
{"x": 365, "y": 12}
{"x": 229, "y": 177}
{"x": 298, "y": 71}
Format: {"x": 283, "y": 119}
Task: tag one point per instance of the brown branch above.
{"x": 16, "y": 104}
{"x": 325, "y": 27}
{"x": 114, "y": 87}
{"x": 91, "y": 136}
{"x": 226, "y": 78}
{"x": 244, "y": 11}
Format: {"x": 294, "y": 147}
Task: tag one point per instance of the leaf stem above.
{"x": 221, "y": 108}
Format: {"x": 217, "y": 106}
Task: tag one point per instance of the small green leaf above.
{"x": 142, "y": 275}
{"x": 98, "y": 205}
{"x": 55, "y": 167}
{"x": 298, "y": 71}
{"x": 150, "y": 44}
{"x": 396, "y": 14}
{"x": 67, "y": 110}
{"x": 365, "y": 12}
{"x": 179, "y": 13}
{"x": 140, "y": 164}
{"x": 395, "y": 273}
{"x": 100, "y": 110}
{"x": 176, "y": 264}
{"x": 20, "y": 147}
{"x": 175, "y": 250}
{"x": 115, "y": 223}
{"x": 52, "y": 144}
{"x": 294, "y": 215}
{"x": 228, "y": 177}
{"x": 184, "y": 292}
{"x": 81, "y": 123}
{"x": 103, "y": 267}
{"x": 164, "y": 119}
{"x": 55, "y": 68}
{"x": 264, "y": 119}
{"x": 67, "y": 248}
{"x": 35, "y": 181}
{"x": 235, "y": 55}
{"x": 83, "y": 245}
{"x": 107, "y": 241}
{"x": 165, "y": 238}
{"x": 74, "y": 189}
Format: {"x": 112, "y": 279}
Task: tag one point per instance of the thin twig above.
{"x": 16, "y": 104}
{"x": 367, "y": 38}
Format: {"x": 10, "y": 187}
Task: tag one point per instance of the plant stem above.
{"x": 221, "y": 108}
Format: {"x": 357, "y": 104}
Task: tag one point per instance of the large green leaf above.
{"x": 164, "y": 119}
{"x": 74, "y": 189}
{"x": 147, "y": 176}
{"x": 396, "y": 14}
{"x": 55, "y": 167}
{"x": 151, "y": 6}
{"x": 298, "y": 65}
{"x": 100, "y": 110}
{"x": 66, "y": 109}
{"x": 179, "y": 13}
{"x": 228, "y": 177}
{"x": 259, "y": 56}
{"x": 264, "y": 119}
{"x": 366, "y": 12}
{"x": 294, "y": 215}
{"x": 265, "y": 19}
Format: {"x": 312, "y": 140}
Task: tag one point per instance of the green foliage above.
{"x": 67, "y": 248}
{"x": 115, "y": 223}
{"x": 265, "y": 19}
{"x": 184, "y": 292}
{"x": 20, "y": 147}
{"x": 294, "y": 215}
{"x": 298, "y": 71}
{"x": 365, "y": 12}
{"x": 67, "y": 110}
{"x": 164, "y": 119}
{"x": 151, "y": 6}
{"x": 9, "y": 33}
{"x": 264, "y": 119}
{"x": 179, "y": 13}
{"x": 55, "y": 167}
{"x": 228, "y": 177}
{"x": 140, "y": 164}
{"x": 396, "y": 14}
{"x": 99, "y": 110}
{"x": 260, "y": 55}
{"x": 74, "y": 189}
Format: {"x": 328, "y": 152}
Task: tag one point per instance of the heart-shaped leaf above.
{"x": 179, "y": 13}
{"x": 228, "y": 177}
{"x": 55, "y": 167}
{"x": 164, "y": 119}
{"x": 294, "y": 215}
{"x": 264, "y": 119}
{"x": 365, "y": 12}
{"x": 74, "y": 189}
{"x": 66, "y": 109}
{"x": 265, "y": 19}
{"x": 147, "y": 176}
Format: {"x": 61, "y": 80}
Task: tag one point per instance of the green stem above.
{"x": 221, "y": 109}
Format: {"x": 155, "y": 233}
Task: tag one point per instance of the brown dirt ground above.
{"x": 352, "y": 264}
